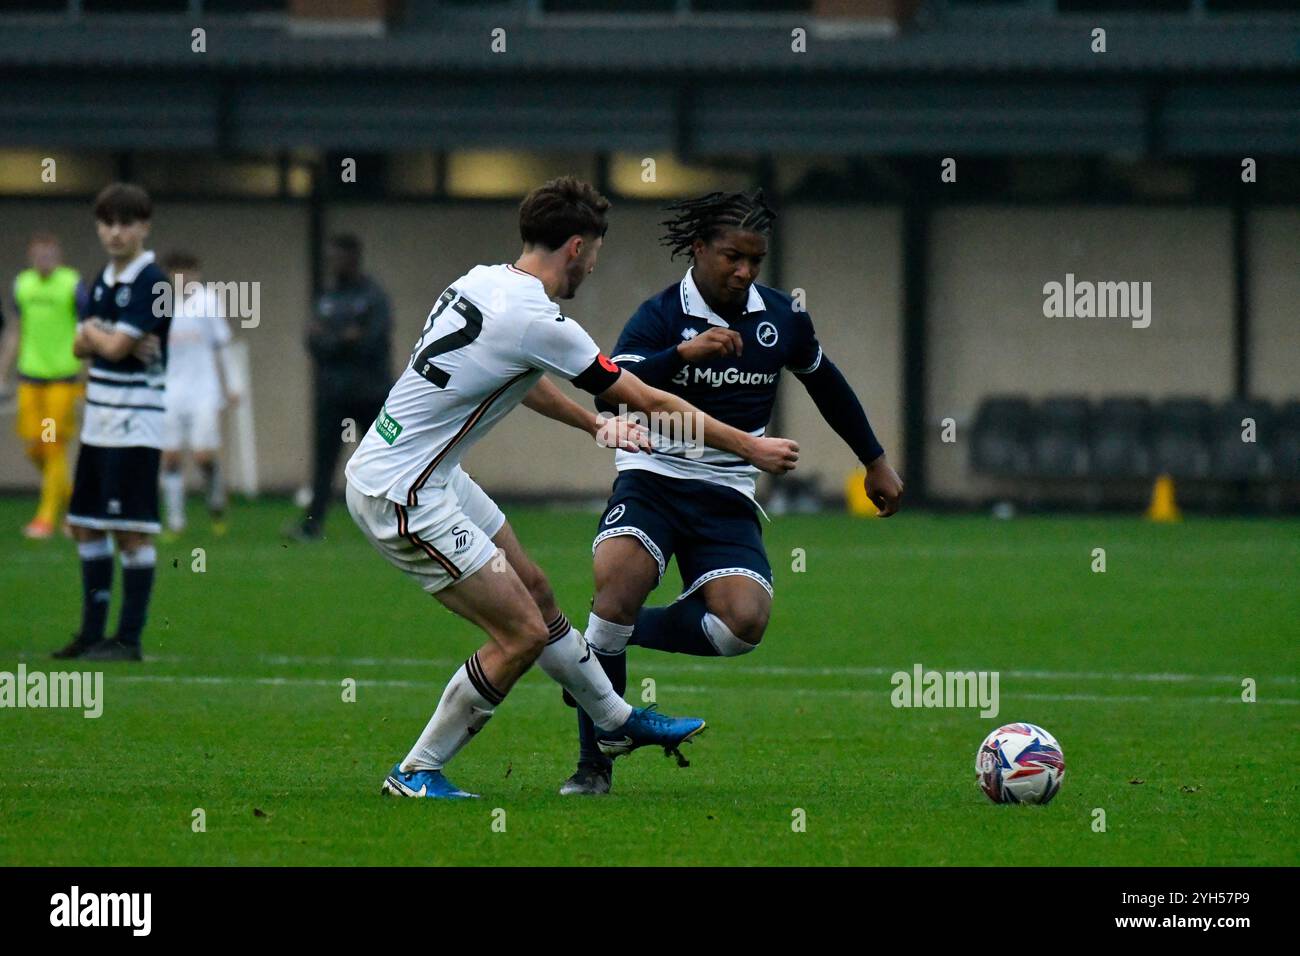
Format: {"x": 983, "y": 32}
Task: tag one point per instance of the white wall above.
{"x": 988, "y": 333}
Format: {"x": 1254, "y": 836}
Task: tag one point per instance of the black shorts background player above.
{"x": 123, "y": 331}
{"x": 721, "y": 342}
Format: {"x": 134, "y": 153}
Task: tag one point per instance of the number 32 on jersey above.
{"x": 427, "y": 349}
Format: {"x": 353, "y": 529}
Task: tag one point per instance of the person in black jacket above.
{"x": 348, "y": 338}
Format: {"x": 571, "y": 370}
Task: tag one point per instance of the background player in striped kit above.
{"x": 124, "y": 333}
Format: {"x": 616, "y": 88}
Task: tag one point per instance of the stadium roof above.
{"x": 1022, "y": 84}
{"x": 968, "y": 43}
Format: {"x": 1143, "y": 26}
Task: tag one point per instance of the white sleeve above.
{"x": 558, "y": 344}
{"x": 220, "y": 329}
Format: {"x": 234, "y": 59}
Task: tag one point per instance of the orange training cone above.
{"x": 1163, "y": 506}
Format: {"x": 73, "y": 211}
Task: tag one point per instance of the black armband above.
{"x": 598, "y": 377}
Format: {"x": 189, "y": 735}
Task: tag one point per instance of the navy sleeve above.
{"x": 139, "y": 312}
{"x": 86, "y": 308}
{"x": 835, "y": 399}
{"x": 646, "y": 349}
{"x": 806, "y": 353}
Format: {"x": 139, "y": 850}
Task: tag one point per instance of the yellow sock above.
{"x": 55, "y": 485}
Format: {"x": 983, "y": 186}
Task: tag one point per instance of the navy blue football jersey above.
{"x": 737, "y": 390}
{"x": 124, "y": 399}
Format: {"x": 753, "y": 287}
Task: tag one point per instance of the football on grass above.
{"x": 1020, "y": 763}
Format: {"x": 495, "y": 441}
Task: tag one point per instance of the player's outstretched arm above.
{"x": 546, "y": 399}
{"x": 774, "y": 455}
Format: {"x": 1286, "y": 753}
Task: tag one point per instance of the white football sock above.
{"x": 607, "y": 637}
{"x": 570, "y": 662}
{"x": 97, "y": 548}
{"x": 720, "y": 636}
{"x": 145, "y": 556}
{"x": 466, "y": 706}
{"x": 173, "y": 483}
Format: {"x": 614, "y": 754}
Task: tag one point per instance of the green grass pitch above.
{"x": 1137, "y": 671}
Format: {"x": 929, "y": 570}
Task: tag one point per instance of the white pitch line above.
{"x": 676, "y": 689}
{"x": 772, "y": 670}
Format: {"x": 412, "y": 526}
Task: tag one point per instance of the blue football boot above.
{"x": 422, "y": 783}
{"x": 648, "y": 727}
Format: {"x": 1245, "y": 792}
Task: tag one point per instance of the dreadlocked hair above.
{"x": 709, "y": 216}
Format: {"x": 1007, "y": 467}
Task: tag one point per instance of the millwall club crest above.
{"x": 123, "y": 297}
{"x": 99, "y": 293}
{"x": 766, "y": 334}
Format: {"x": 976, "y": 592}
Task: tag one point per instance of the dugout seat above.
{"x": 1179, "y": 442}
{"x": 1060, "y": 437}
{"x": 1000, "y": 436}
{"x": 1232, "y": 458}
{"x": 1285, "y": 443}
{"x": 1120, "y": 437}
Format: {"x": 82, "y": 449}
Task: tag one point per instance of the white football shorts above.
{"x": 446, "y": 537}
{"x": 197, "y": 428}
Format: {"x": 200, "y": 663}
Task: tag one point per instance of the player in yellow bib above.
{"x": 49, "y": 375}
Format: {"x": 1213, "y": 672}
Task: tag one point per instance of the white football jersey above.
{"x": 198, "y": 330}
{"x": 488, "y": 340}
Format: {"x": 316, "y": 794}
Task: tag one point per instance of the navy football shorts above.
{"x": 713, "y": 531}
{"x": 116, "y": 489}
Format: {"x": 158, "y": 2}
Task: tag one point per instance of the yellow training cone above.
{"x": 1163, "y": 506}
{"x": 855, "y": 494}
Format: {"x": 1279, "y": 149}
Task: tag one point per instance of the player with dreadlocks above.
{"x": 720, "y": 341}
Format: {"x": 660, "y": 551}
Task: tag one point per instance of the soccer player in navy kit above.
{"x": 720, "y": 341}
{"x": 123, "y": 331}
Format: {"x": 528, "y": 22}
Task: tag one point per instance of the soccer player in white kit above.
{"x": 484, "y": 349}
{"x": 198, "y": 388}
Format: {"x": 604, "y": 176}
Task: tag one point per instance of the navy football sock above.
{"x": 615, "y": 669}
{"x": 589, "y": 755}
{"x": 677, "y": 628}
{"x": 96, "y": 587}
{"x": 137, "y": 584}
